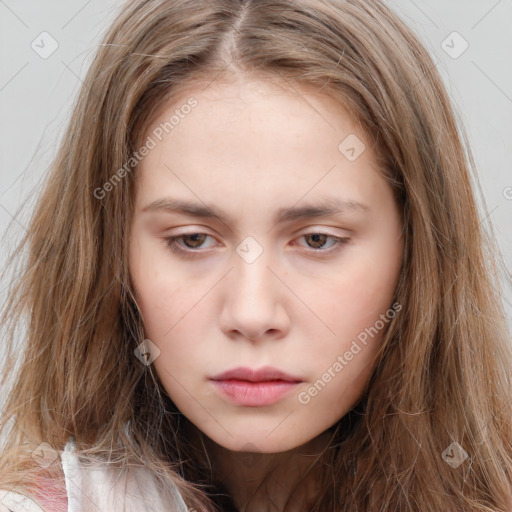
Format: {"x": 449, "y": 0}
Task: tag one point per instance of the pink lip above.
{"x": 263, "y": 374}
{"x": 255, "y": 388}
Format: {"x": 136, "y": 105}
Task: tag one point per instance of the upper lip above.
{"x": 267, "y": 373}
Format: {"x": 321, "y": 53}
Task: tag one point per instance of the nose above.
{"x": 255, "y": 301}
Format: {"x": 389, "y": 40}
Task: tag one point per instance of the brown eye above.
{"x": 196, "y": 240}
{"x": 188, "y": 243}
{"x": 317, "y": 241}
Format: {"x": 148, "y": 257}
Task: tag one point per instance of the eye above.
{"x": 191, "y": 240}
{"x": 190, "y": 243}
{"x": 317, "y": 241}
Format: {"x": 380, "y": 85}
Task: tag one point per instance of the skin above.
{"x": 251, "y": 147}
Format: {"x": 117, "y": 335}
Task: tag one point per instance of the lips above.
{"x": 264, "y": 374}
{"x": 255, "y": 388}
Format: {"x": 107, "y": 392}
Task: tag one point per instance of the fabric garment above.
{"x": 14, "y": 502}
{"x": 100, "y": 488}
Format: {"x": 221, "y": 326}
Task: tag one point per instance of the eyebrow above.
{"x": 325, "y": 207}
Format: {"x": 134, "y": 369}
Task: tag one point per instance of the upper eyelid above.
{"x": 309, "y": 230}
{"x": 174, "y": 238}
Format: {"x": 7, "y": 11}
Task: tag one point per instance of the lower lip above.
{"x": 254, "y": 394}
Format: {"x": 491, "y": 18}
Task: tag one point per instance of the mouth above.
{"x": 265, "y": 374}
{"x": 255, "y": 388}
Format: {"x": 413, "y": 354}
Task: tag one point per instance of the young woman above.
{"x": 256, "y": 278}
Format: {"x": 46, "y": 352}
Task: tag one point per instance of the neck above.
{"x": 269, "y": 482}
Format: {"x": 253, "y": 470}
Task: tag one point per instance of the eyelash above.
{"x": 171, "y": 242}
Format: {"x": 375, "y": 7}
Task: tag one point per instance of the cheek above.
{"x": 342, "y": 363}
{"x": 168, "y": 310}
{"x": 174, "y": 315}
{"x": 329, "y": 400}
{"x": 355, "y": 299}
{"x": 164, "y": 295}
{"x": 357, "y": 307}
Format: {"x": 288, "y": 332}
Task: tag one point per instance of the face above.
{"x": 263, "y": 239}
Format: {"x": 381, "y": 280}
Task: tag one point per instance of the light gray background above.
{"x": 36, "y": 94}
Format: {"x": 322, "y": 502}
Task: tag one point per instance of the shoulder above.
{"x": 14, "y": 502}
{"x": 109, "y": 487}
{"x": 43, "y": 491}
{"x": 43, "y": 495}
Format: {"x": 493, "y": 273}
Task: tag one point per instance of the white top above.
{"x": 13, "y": 502}
{"x": 98, "y": 487}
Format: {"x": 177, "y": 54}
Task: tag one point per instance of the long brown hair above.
{"x": 442, "y": 375}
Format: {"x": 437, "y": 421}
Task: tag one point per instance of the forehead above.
{"x": 255, "y": 141}
{"x": 235, "y": 105}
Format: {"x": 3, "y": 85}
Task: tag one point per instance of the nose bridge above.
{"x": 252, "y": 304}
{"x": 251, "y": 275}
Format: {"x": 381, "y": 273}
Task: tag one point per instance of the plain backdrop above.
{"x": 46, "y": 47}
